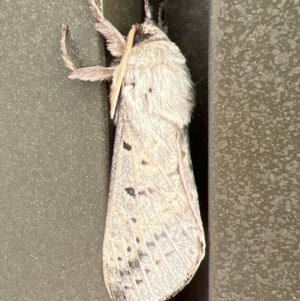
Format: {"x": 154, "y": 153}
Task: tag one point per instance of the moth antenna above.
{"x": 148, "y": 11}
{"x": 121, "y": 72}
{"x": 160, "y": 20}
{"x": 160, "y": 12}
{"x": 68, "y": 62}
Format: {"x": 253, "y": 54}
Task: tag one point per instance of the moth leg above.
{"x": 160, "y": 21}
{"x": 96, "y": 73}
{"x": 68, "y": 62}
{"x": 148, "y": 13}
{"x": 114, "y": 39}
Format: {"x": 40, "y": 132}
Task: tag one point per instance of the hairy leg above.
{"x": 96, "y": 73}
{"x": 68, "y": 62}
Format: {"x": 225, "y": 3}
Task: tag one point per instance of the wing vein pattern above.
{"x": 152, "y": 227}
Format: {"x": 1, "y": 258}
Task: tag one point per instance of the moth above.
{"x": 154, "y": 239}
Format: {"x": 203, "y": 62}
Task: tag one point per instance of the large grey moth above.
{"x": 154, "y": 239}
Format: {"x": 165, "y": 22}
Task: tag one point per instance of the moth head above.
{"x": 148, "y": 32}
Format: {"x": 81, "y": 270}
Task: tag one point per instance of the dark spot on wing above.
{"x": 157, "y": 262}
{"x": 150, "y": 90}
{"x": 150, "y": 244}
{"x": 141, "y": 254}
{"x": 126, "y": 146}
{"x": 117, "y": 294}
{"x": 163, "y": 234}
{"x": 147, "y": 271}
{"x": 128, "y": 249}
{"x": 201, "y": 246}
{"x": 130, "y": 191}
{"x": 133, "y": 219}
{"x": 134, "y": 264}
{"x": 124, "y": 273}
{"x": 169, "y": 253}
{"x": 119, "y": 258}
{"x": 143, "y": 192}
{"x": 183, "y": 153}
{"x": 138, "y": 281}
{"x": 151, "y": 191}
{"x": 137, "y": 240}
{"x": 144, "y": 162}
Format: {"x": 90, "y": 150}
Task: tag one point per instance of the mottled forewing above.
{"x": 153, "y": 238}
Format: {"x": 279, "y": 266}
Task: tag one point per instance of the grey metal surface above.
{"x": 254, "y": 150}
{"x": 55, "y": 152}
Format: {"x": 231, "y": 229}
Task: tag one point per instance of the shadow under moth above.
{"x": 154, "y": 239}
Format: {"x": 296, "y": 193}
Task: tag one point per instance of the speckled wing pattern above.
{"x": 154, "y": 238}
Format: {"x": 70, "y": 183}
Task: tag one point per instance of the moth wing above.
{"x": 154, "y": 239}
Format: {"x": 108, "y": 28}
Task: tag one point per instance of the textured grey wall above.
{"x": 254, "y": 139}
